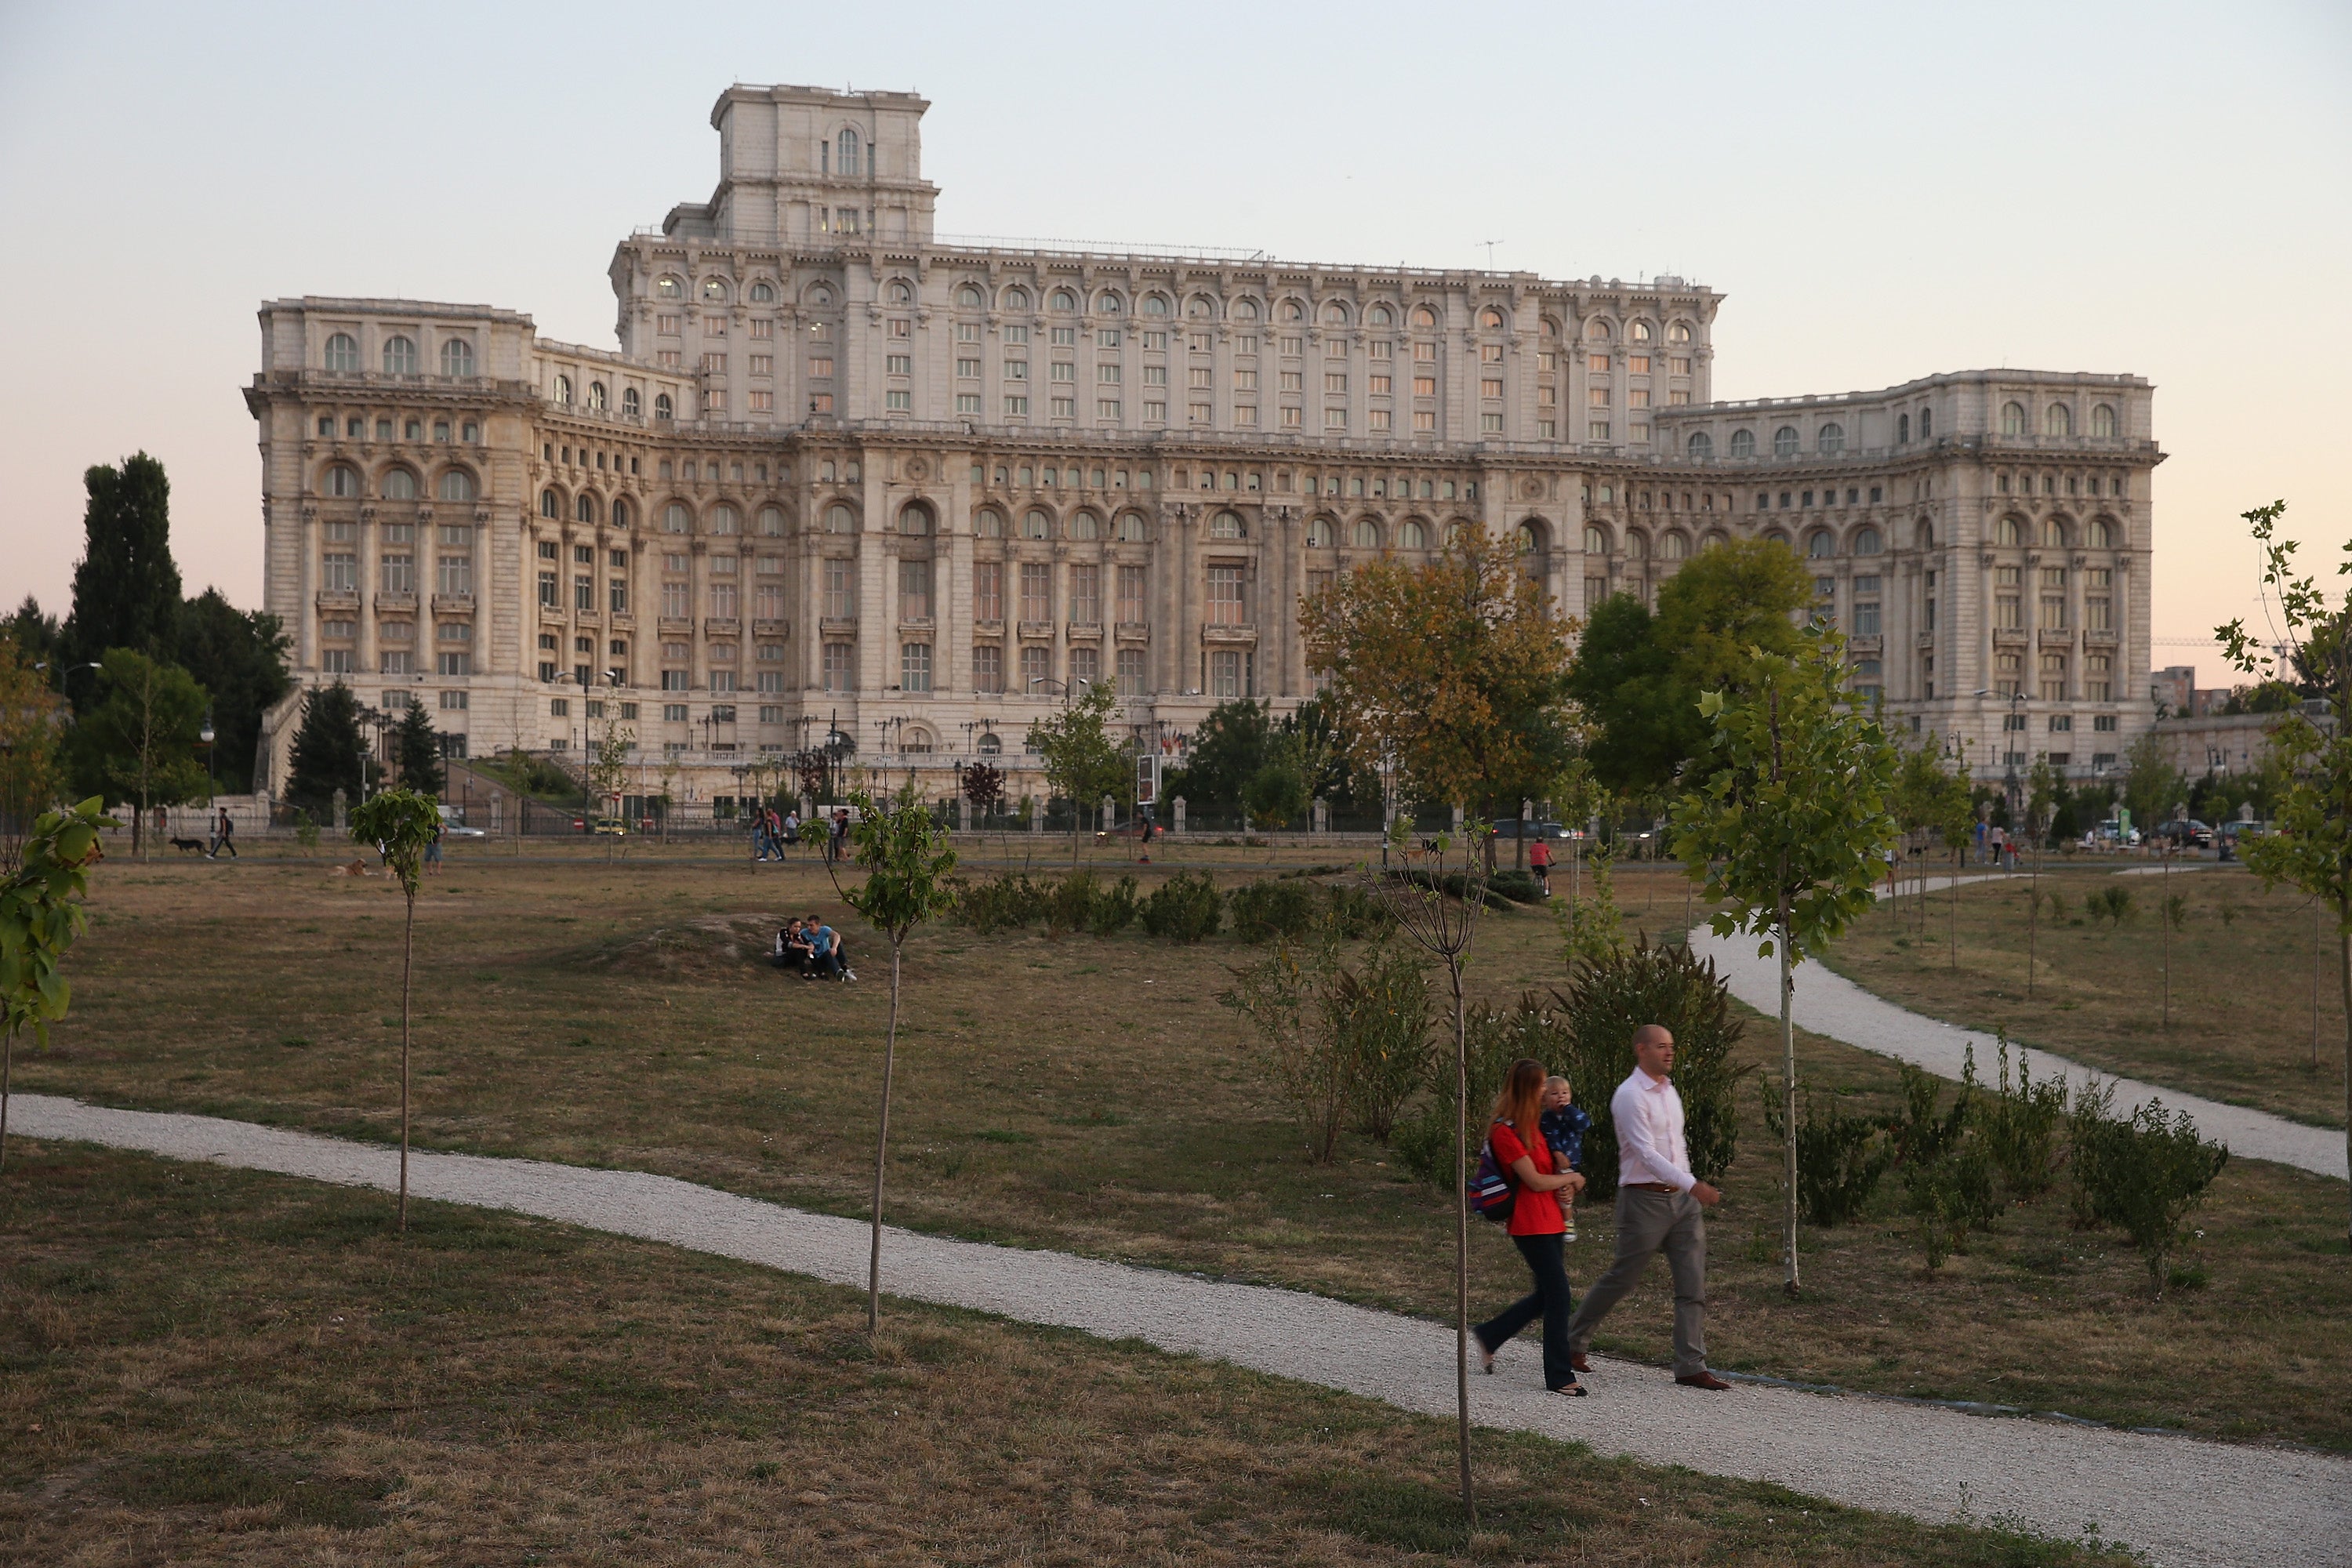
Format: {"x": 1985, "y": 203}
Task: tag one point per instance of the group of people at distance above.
{"x": 1661, "y": 1207}
{"x": 812, "y": 949}
{"x": 771, "y": 833}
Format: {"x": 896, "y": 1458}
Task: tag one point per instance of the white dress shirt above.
{"x": 1648, "y": 1116}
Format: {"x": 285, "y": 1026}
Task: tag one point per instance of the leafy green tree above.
{"x": 38, "y": 637}
{"x": 1789, "y": 827}
{"x": 40, "y": 915}
{"x": 31, "y": 719}
{"x": 416, "y": 753}
{"x": 908, "y": 864}
{"x": 404, "y": 824}
{"x": 1082, "y": 762}
{"x": 2269, "y": 696}
{"x": 1232, "y": 744}
{"x": 328, "y": 754}
{"x": 126, "y": 588}
{"x": 2312, "y": 849}
{"x": 141, "y": 738}
{"x": 239, "y": 657}
{"x": 2152, "y": 785}
{"x": 1276, "y": 794}
{"x": 1638, "y": 677}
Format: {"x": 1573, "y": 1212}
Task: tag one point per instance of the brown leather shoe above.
{"x": 1702, "y": 1380}
{"x": 1576, "y": 1360}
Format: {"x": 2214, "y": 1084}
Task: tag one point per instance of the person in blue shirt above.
{"x": 1564, "y": 1123}
{"x": 825, "y": 953}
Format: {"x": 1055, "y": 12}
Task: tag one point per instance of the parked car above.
{"x": 453, "y": 824}
{"x": 2184, "y": 833}
{"x": 1508, "y": 827}
{"x": 2112, "y": 832}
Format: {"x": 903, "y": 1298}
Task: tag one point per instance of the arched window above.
{"x": 1318, "y": 533}
{"x": 399, "y": 356}
{"x": 820, "y": 296}
{"x": 1713, "y": 538}
{"x": 1530, "y": 538}
{"x": 2102, "y": 534}
{"x": 2057, "y": 420}
{"x": 1245, "y": 309}
{"x": 1926, "y": 535}
{"x": 989, "y": 745}
{"x": 1365, "y": 535}
{"x": 1035, "y": 524}
{"x": 399, "y": 484}
{"x": 1200, "y": 307}
{"x": 662, "y": 405}
{"x": 1927, "y": 423}
{"x": 1155, "y": 304}
{"x": 1108, "y": 303}
{"x": 990, "y": 524}
{"x": 1335, "y": 314}
{"x": 1292, "y": 310}
{"x": 456, "y": 484}
{"x": 1226, "y": 526}
{"x": 1596, "y": 540}
{"x": 622, "y": 516}
{"x": 550, "y": 504}
{"x": 1833, "y": 438}
{"x": 668, "y": 288}
{"x": 967, "y": 298}
{"x": 2103, "y": 422}
{"x": 457, "y": 357}
{"x": 2012, "y": 419}
{"x": 1062, "y": 299}
{"x": 901, "y": 293}
{"x": 2054, "y": 534}
{"x": 675, "y": 518}
{"x": 1701, "y": 444}
{"x": 771, "y": 520}
{"x": 341, "y": 480}
{"x": 715, "y": 290}
{"x": 1775, "y": 536}
{"x": 1423, "y": 317}
{"x": 1017, "y": 299}
{"x": 724, "y": 519}
{"x": 1784, "y": 441}
{"x": 1637, "y": 545}
{"x": 343, "y": 352}
{"x": 1412, "y": 535}
{"x": 1820, "y": 546}
{"x": 583, "y": 508}
{"x": 1868, "y": 542}
{"x": 1675, "y": 546}
{"x": 2010, "y": 531}
{"x": 631, "y": 405}
{"x": 1491, "y": 319}
{"x": 1679, "y": 333}
{"x": 1743, "y": 443}
{"x": 915, "y": 520}
{"x": 1133, "y": 529}
{"x": 839, "y": 519}
{"x": 1640, "y": 332}
{"x": 845, "y": 160}
{"x": 596, "y": 396}
{"x": 563, "y": 390}
{"x": 764, "y": 293}
{"x": 1380, "y": 316}
{"x": 1085, "y": 525}
{"x": 1902, "y": 428}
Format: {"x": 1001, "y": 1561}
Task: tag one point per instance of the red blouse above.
{"x": 1533, "y": 1213}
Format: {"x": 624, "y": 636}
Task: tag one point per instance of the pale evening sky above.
{"x": 1883, "y": 192}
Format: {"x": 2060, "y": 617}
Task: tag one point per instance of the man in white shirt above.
{"x": 1659, "y": 1205}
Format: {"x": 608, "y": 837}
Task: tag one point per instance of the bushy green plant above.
{"x": 1271, "y": 907}
{"x": 1610, "y": 998}
{"x": 1840, "y": 1157}
{"x": 1004, "y": 900}
{"x": 2143, "y": 1173}
{"x": 1355, "y": 913}
{"x": 306, "y": 830}
{"x": 2020, "y": 1125}
{"x": 2113, "y": 905}
{"x": 1921, "y": 1133}
{"x": 1339, "y": 1045}
{"x": 1380, "y": 1010}
{"x": 2176, "y": 910}
{"x": 1114, "y": 907}
{"x": 1186, "y": 907}
{"x": 2092, "y": 1104}
{"x": 1493, "y": 1038}
{"x": 1069, "y": 902}
{"x": 1590, "y": 926}
{"x": 1949, "y": 1195}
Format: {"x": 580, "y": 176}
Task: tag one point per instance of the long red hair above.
{"x": 1520, "y": 1104}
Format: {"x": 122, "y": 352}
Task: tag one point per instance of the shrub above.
{"x": 2112, "y": 904}
{"x": 2175, "y": 910}
{"x": 1493, "y": 1038}
{"x": 1610, "y": 998}
{"x": 1355, "y": 913}
{"x": 1519, "y": 887}
{"x": 1270, "y": 907}
{"x": 1070, "y": 903}
{"x": 1337, "y": 1045}
{"x": 2143, "y": 1175}
{"x": 1454, "y": 885}
{"x": 1114, "y": 907}
{"x": 1840, "y": 1157}
{"x": 1949, "y": 1195}
{"x": 1381, "y": 1012}
{"x": 1002, "y": 901}
{"x": 1186, "y": 907}
{"x": 1921, "y": 1135}
{"x": 2021, "y": 1128}
{"x": 306, "y": 830}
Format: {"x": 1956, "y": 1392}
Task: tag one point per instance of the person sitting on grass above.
{"x": 792, "y": 949}
{"x": 1564, "y": 1123}
{"x": 825, "y": 953}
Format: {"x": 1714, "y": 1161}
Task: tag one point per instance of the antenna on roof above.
{"x": 1490, "y": 245}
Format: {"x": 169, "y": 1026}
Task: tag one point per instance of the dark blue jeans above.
{"x": 1550, "y": 1299}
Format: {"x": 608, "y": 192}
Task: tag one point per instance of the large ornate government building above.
{"x": 843, "y": 476}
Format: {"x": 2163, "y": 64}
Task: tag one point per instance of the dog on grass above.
{"x": 184, "y": 845}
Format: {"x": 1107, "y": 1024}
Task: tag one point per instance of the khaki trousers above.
{"x": 1647, "y": 1223}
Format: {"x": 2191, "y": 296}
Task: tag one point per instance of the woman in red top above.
{"x": 1536, "y": 1226}
{"x": 1540, "y": 862}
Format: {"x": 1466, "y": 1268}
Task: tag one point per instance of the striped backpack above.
{"x": 1492, "y": 1192}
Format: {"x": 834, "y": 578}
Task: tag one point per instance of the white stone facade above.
{"x": 846, "y": 475}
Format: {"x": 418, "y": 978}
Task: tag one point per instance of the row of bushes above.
{"x": 1961, "y": 1165}
{"x": 1187, "y": 907}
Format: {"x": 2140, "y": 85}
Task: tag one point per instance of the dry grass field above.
{"x": 211, "y": 1366}
{"x": 1091, "y": 1095}
{"x": 2242, "y": 967}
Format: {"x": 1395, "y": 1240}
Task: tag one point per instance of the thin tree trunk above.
{"x": 881, "y": 1149}
{"x": 2164, "y": 917}
{"x": 7, "y": 1061}
{"x": 1462, "y": 1237}
{"x": 1788, "y": 1088}
{"x": 2344, "y": 944}
{"x": 2032, "y": 914}
{"x": 2318, "y": 962}
{"x": 407, "y": 960}
{"x": 1960, "y": 858}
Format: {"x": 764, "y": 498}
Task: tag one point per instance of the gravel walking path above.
{"x": 1828, "y": 1003}
{"x": 2179, "y": 1501}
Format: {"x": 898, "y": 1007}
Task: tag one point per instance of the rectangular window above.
{"x": 1036, "y": 668}
{"x": 1596, "y": 430}
{"x": 1107, "y": 408}
{"x": 1064, "y": 408}
{"x": 1490, "y": 388}
{"x": 1036, "y": 591}
{"x": 968, "y": 369}
{"x": 967, "y": 403}
{"x": 1492, "y": 424}
{"x": 1086, "y": 665}
{"x": 1199, "y": 377}
{"x": 898, "y": 364}
{"x": 914, "y": 590}
{"x": 1198, "y": 413}
{"x": 340, "y": 570}
{"x": 1225, "y": 674}
{"x": 399, "y": 575}
{"x": 714, "y": 363}
{"x": 915, "y": 667}
{"x": 1637, "y": 397}
{"x": 836, "y": 666}
{"x": 454, "y": 663}
{"x": 1866, "y": 619}
{"x": 988, "y": 666}
{"x": 1225, "y": 603}
{"x": 1382, "y": 385}
{"x": 840, "y": 589}
{"x": 398, "y": 661}
{"x": 988, "y": 591}
{"x": 454, "y": 576}
{"x": 898, "y": 400}
{"x": 2006, "y": 614}
{"x": 1335, "y": 383}
{"x": 1598, "y": 396}
{"x": 1086, "y": 594}
{"x": 763, "y": 364}
{"x": 1130, "y": 672}
{"x": 1334, "y": 419}
{"x": 1130, "y": 594}
{"x": 549, "y": 591}
{"x": 1016, "y": 407}
{"x": 1065, "y": 370}
{"x": 725, "y": 604}
{"x": 583, "y": 593}
{"x": 821, "y": 367}
{"x": 1155, "y": 375}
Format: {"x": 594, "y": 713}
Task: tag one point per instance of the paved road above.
{"x": 2179, "y": 1501}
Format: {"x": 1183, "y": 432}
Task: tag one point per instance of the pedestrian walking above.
{"x": 224, "y": 836}
{"x": 791, "y": 834}
{"x": 1537, "y": 1228}
{"x": 1540, "y": 862}
{"x": 432, "y": 849}
{"x": 839, "y": 842}
{"x": 1660, "y": 1208}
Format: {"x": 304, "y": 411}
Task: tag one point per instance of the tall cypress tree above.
{"x": 126, "y": 589}
{"x": 417, "y": 750}
{"x": 328, "y": 752}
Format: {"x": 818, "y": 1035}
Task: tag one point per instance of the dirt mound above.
{"x": 699, "y": 944}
